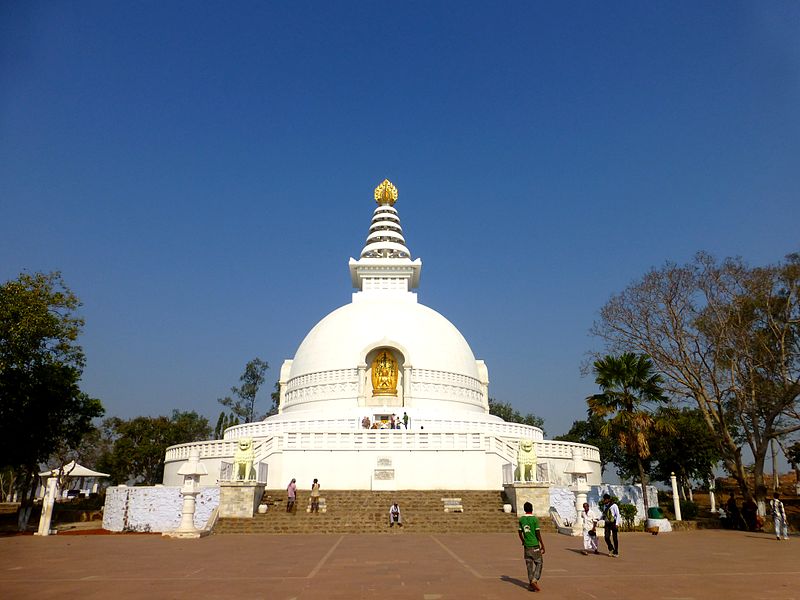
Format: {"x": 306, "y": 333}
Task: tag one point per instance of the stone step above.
{"x": 362, "y": 511}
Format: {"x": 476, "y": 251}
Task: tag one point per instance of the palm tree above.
{"x": 629, "y": 384}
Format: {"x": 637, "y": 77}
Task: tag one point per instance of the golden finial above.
{"x": 386, "y": 193}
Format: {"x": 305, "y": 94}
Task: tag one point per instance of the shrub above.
{"x": 689, "y": 509}
{"x": 628, "y": 513}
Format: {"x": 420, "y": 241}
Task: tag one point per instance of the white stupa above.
{"x": 373, "y": 361}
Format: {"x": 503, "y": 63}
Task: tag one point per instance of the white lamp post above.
{"x": 191, "y": 471}
{"x": 579, "y": 469}
{"x": 676, "y": 501}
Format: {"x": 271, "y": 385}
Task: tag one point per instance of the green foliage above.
{"x": 508, "y": 413}
{"x": 41, "y": 405}
{"x": 138, "y": 445}
{"x": 590, "y": 432}
{"x": 243, "y": 402}
{"x": 689, "y": 451}
{"x": 793, "y": 454}
{"x": 628, "y": 514}
{"x": 725, "y": 336}
{"x": 689, "y": 510}
{"x": 275, "y": 396}
{"x": 629, "y": 386}
{"x": 224, "y": 421}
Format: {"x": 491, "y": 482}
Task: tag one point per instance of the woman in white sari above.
{"x": 589, "y": 520}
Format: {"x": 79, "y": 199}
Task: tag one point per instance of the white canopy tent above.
{"x": 72, "y": 470}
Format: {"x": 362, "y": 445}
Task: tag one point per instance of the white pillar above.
{"x": 47, "y": 506}
{"x": 191, "y": 471}
{"x": 713, "y": 501}
{"x": 676, "y": 501}
{"x": 187, "y": 512}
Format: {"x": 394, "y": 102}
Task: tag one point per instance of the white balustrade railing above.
{"x": 208, "y": 449}
{"x": 270, "y": 427}
{"x": 265, "y": 428}
{"x": 383, "y": 439}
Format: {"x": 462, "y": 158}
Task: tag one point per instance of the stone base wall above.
{"x": 563, "y": 499}
{"x": 239, "y": 499}
{"x": 538, "y": 494}
{"x": 155, "y": 509}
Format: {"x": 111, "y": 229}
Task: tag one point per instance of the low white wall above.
{"x": 153, "y": 508}
{"x": 563, "y": 499}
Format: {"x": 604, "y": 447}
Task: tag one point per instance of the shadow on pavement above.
{"x": 518, "y": 582}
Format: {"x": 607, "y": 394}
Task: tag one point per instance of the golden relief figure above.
{"x": 384, "y": 374}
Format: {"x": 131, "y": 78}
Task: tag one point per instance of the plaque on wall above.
{"x": 384, "y": 463}
{"x": 384, "y": 474}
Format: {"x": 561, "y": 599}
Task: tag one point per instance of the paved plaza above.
{"x": 677, "y": 566}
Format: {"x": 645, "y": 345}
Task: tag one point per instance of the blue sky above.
{"x": 201, "y": 172}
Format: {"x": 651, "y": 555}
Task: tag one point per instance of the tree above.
{"x": 244, "y": 404}
{"x": 41, "y": 404}
{"x": 590, "y": 432}
{"x": 224, "y": 421}
{"x": 629, "y": 386}
{"x": 725, "y": 336}
{"x": 792, "y": 454}
{"x": 508, "y": 413}
{"x": 138, "y": 445}
{"x": 275, "y": 396}
{"x": 690, "y": 451}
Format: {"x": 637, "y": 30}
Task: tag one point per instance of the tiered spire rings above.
{"x": 385, "y": 238}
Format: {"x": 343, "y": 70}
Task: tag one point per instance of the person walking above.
{"x": 315, "y": 497}
{"x": 589, "y": 520}
{"x": 291, "y": 495}
{"x": 779, "y": 517}
{"x": 612, "y": 520}
{"x": 533, "y": 546}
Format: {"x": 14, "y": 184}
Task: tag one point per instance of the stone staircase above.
{"x": 361, "y": 511}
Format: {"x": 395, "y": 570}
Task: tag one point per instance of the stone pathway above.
{"x": 711, "y": 564}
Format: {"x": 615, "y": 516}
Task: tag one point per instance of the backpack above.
{"x": 608, "y": 516}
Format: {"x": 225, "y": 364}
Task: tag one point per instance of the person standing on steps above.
{"x": 291, "y": 495}
{"x": 533, "y": 546}
{"x": 612, "y": 520}
{"x": 315, "y": 497}
{"x": 405, "y": 420}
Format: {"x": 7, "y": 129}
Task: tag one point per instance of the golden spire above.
{"x": 386, "y": 193}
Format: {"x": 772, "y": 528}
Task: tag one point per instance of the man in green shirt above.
{"x": 533, "y": 546}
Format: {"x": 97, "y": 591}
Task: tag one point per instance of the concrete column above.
{"x": 48, "y": 503}
{"x": 676, "y": 501}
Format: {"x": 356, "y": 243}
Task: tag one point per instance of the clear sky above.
{"x": 201, "y": 172}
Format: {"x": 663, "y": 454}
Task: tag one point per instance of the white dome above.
{"x": 425, "y": 338}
